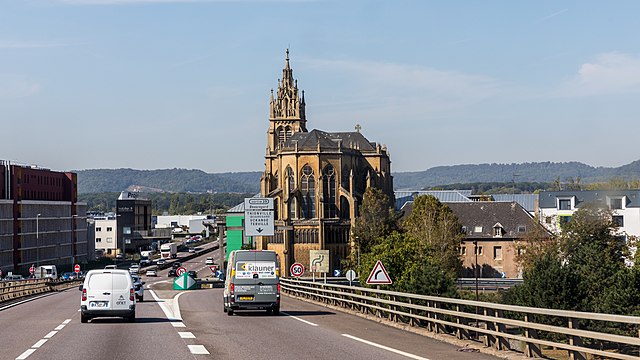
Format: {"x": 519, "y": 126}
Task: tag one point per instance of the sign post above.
{"x": 181, "y": 270}
{"x": 76, "y": 268}
{"x": 184, "y": 282}
{"x": 258, "y": 217}
{"x": 319, "y": 262}
{"x": 351, "y": 275}
{"x": 32, "y": 270}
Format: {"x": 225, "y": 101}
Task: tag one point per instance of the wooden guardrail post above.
{"x": 489, "y": 339}
{"x": 531, "y": 349}
{"x": 501, "y": 342}
{"x": 411, "y": 320}
{"x": 575, "y": 341}
{"x": 436, "y": 325}
{"x": 460, "y": 332}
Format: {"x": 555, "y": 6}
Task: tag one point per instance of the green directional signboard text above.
{"x": 184, "y": 282}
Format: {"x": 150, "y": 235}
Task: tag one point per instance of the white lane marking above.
{"x": 385, "y": 348}
{"x": 39, "y": 343}
{"x": 198, "y": 349}
{"x": 297, "y": 318}
{"x": 170, "y": 307}
{"x": 26, "y": 354}
{"x": 50, "y": 335}
{"x": 178, "y": 324}
{"x": 24, "y": 301}
{"x": 60, "y": 327}
{"x": 186, "y": 335}
{"x": 67, "y": 321}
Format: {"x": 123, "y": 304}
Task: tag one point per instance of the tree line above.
{"x": 172, "y": 204}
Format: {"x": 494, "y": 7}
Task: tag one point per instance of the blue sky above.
{"x": 153, "y": 84}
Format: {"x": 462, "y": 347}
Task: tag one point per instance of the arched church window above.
{"x": 288, "y": 132}
{"x": 308, "y": 192}
{"x": 281, "y": 135}
{"x": 290, "y": 179}
{"x": 345, "y": 178}
{"x": 329, "y": 191}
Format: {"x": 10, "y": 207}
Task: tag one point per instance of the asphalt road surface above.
{"x": 191, "y": 325}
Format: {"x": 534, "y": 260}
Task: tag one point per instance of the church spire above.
{"x": 288, "y": 105}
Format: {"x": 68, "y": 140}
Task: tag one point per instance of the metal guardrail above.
{"x": 12, "y": 290}
{"x": 488, "y": 284}
{"x": 501, "y": 326}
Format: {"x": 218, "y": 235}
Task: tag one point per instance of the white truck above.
{"x": 146, "y": 257}
{"x": 46, "y": 271}
{"x": 169, "y": 250}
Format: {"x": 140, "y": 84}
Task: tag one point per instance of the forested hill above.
{"x": 197, "y": 181}
{"x": 166, "y": 180}
{"x": 525, "y": 172}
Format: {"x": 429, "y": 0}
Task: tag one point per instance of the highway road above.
{"x": 191, "y": 325}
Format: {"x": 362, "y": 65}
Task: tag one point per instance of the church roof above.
{"x": 330, "y": 140}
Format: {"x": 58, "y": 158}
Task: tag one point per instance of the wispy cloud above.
{"x": 551, "y": 16}
{"x": 609, "y": 73}
{"x": 26, "y": 44}
{"x": 15, "y": 86}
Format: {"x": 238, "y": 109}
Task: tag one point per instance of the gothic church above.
{"x": 317, "y": 180}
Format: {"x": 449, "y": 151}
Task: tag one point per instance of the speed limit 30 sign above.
{"x": 296, "y": 269}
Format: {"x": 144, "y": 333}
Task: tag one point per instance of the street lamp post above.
{"x": 37, "y": 240}
{"x": 475, "y": 245}
{"x": 73, "y": 238}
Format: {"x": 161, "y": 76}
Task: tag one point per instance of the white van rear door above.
{"x": 121, "y": 291}
{"x": 99, "y": 291}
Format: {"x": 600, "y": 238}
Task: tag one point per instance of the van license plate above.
{"x": 246, "y": 298}
{"x": 98, "y": 304}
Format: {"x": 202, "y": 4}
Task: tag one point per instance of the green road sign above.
{"x": 184, "y": 282}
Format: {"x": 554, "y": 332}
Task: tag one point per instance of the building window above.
{"x": 463, "y": 230}
{"x": 618, "y": 220}
{"x": 290, "y": 179}
{"x": 497, "y": 252}
{"x": 308, "y": 191}
{"x": 109, "y": 240}
{"x": 109, "y": 229}
{"x": 562, "y": 220}
{"x": 329, "y": 192}
{"x": 292, "y": 208}
{"x": 615, "y": 204}
{"x": 477, "y": 229}
{"x": 522, "y": 228}
{"x": 564, "y": 204}
{"x": 463, "y": 250}
{"x": 280, "y": 136}
{"x": 98, "y": 229}
{"x": 478, "y": 250}
{"x": 98, "y": 240}
{"x": 126, "y": 230}
{"x": 497, "y": 231}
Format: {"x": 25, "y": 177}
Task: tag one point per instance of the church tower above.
{"x": 286, "y": 110}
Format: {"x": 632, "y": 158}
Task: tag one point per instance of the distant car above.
{"x": 176, "y": 264}
{"x": 193, "y": 274}
{"x": 151, "y": 272}
{"x": 119, "y": 257}
{"x": 192, "y": 250}
{"x": 110, "y": 267}
{"x": 209, "y": 261}
{"x": 172, "y": 273}
{"x": 161, "y": 262}
{"x": 66, "y": 275}
{"x": 139, "y": 289}
{"x": 13, "y": 278}
{"x": 134, "y": 269}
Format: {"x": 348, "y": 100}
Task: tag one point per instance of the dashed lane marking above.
{"x": 50, "y": 335}
{"x": 26, "y": 354}
{"x": 67, "y": 321}
{"x": 178, "y": 324}
{"x": 39, "y": 343}
{"x": 186, "y": 335}
{"x": 198, "y": 349}
{"x": 297, "y": 318}
{"x": 399, "y": 352}
{"x": 60, "y": 327}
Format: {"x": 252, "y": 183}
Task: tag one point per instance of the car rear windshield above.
{"x": 120, "y": 281}
{"x": 100, "y": 281}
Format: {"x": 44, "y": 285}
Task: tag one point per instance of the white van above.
{"x": 252, "y": 282}
{"x": 108, "y": 293}
{"x": 46, "y": 272}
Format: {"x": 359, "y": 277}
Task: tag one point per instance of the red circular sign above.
{"x": 32, "y": 270}
{"x": 296, "y": 269}
{"x": 181, "y": 270}
{"x": 76, "y": 268}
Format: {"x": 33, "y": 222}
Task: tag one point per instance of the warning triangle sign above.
{"x": 379, "y": 275}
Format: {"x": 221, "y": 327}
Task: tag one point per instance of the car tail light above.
{"x": 232, "y": 297}
{"x": 131, "y": 295}
{"x": 84, "y": 294}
